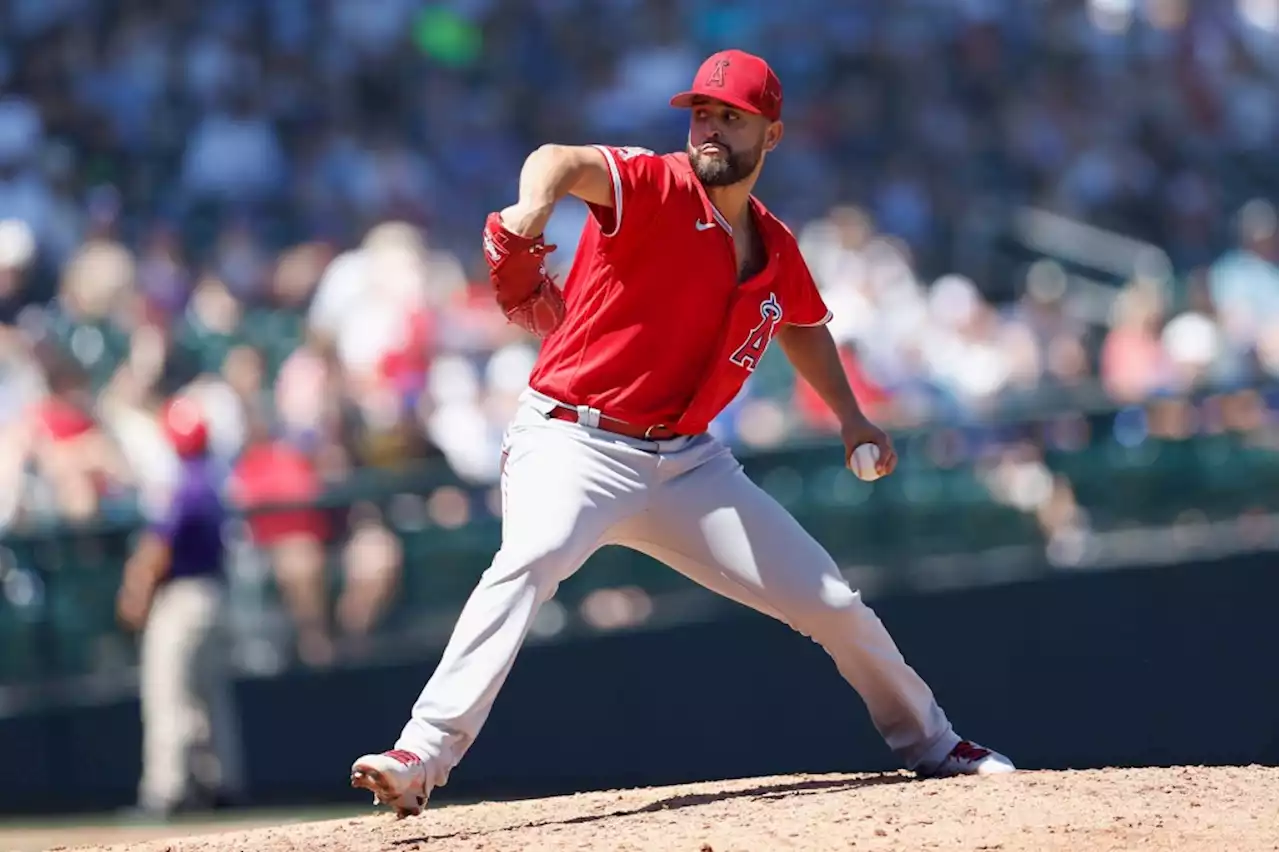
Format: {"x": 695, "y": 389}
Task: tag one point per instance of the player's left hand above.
{"x": 862, "y": 431}
{"x": 518, "y": 274}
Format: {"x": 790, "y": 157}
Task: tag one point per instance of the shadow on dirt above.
{"x": 671, "y": 803}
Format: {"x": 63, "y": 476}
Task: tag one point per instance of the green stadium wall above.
{"x": 1165, "y": 665}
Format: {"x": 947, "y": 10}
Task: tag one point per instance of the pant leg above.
{"x": 563, "y": 491}
{"x": 709, "y": 521}
{"x": 173, "y": 709}
{"x": 165, "y": 707}
{"x": 214, "y": 688}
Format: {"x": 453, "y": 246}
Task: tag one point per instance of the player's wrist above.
{"x": 851, "y": 417}
{"x": 527, "y": 218}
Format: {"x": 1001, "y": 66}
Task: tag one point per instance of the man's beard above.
{"x": 735, "y": 167}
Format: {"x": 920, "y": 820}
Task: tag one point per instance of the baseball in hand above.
{"x": 863, "y": 462}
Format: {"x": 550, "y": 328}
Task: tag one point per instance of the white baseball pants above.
{"x": 569, "y": 489}
{"x": 186, "y": 695}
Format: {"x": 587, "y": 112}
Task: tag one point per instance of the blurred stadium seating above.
{"x": 1047, "y": 230}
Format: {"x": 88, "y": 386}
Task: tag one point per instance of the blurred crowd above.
{"x": 275, "y": 207}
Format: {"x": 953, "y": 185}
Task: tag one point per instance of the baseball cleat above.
{"x": 396, "y": 778}
{"x": 969, "y": 758}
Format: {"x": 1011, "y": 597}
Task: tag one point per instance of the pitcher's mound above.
{"x": 1188, "y": 809}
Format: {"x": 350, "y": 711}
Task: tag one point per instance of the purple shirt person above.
{"x": 186, "y": 539}
{"x": 191, "y": 525}
{"x": 174, "y": 594}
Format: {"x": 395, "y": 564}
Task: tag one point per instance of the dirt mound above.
{"x": 1188, "y": 809}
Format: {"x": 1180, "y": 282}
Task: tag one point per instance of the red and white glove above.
{"x": 518, "y": 274}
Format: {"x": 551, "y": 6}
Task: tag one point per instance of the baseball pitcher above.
{"x": 681, "y": 282}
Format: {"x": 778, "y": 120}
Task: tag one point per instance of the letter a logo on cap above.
{"x": 754, "y": 87}
{"x": 717, "y": 73}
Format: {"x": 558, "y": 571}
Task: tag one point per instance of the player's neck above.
{"x": 733, "y": 202}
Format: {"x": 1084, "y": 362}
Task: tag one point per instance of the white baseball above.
{"x": 863, "y": 462}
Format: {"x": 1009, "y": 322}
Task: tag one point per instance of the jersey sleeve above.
{"x": 640, "y": 179}
{"x": 164, "y": 514}
{"x": 805, "y": 306}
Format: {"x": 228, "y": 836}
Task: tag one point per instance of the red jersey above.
{"x": 273, "y": 472}
{"x": 657, "y": 329}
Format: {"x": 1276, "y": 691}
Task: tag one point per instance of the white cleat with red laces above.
{"x": 969, "y": 758}
{"x": 396, "y": 778}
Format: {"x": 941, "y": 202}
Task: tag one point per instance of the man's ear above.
{"x": 773, "y": 136}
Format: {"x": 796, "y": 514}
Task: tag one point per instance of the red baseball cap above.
{"x": 740, "y": 80}
{"x": 184, "y": 426}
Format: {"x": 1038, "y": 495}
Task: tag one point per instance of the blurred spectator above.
{"x": 233, "y": 153}
{"x": 272, "y": 473}
{"x": 1134, "y": 363}
{"x": 73, "y": 464}
{"x": 17, "y": 253}
{"x": 272, "y": 479}
{"x": 1242, "y": 283}
{"x": 371, "y": 566}
{"x": 1049, "y": 343}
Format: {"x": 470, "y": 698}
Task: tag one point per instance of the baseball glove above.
{"x": 518, "y": 274}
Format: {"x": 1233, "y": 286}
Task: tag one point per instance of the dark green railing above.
{"x": 58, "y": 580}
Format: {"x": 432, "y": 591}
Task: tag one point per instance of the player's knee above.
{"x": 829, "y": 605}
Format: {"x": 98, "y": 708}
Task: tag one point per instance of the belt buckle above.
{"x": 649, "y": 430}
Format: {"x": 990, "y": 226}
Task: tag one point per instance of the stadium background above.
{"x": 1047, "y": 230}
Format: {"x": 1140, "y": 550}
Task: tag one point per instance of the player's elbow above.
{"x": 578, "y": 170}
{"x": 557, "y": 156}
{"x": 544, "y": 156}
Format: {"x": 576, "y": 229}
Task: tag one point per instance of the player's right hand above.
{"x": 860, "y": 431}
{"x": 518, "y": 274}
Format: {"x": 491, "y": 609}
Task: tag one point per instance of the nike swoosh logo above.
{"x": 703, "y": 226}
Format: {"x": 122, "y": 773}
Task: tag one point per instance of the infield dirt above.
{"x": 1188, "y": 809}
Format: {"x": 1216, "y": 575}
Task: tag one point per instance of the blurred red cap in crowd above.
{"x": 185, "y": 428}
